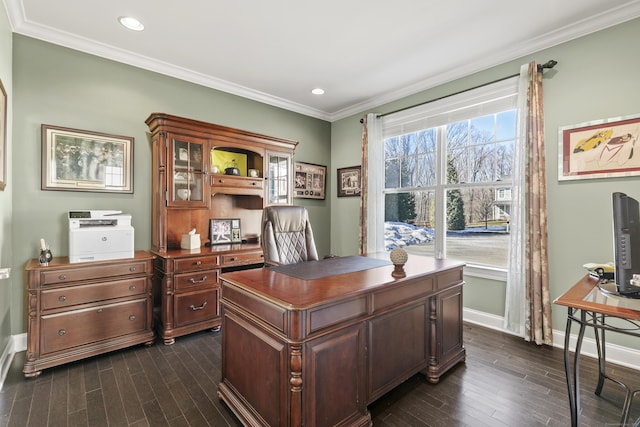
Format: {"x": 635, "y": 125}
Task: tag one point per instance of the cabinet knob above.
{"x": 194, "y": 308}
{"x": 197, "y": 263}
{"x": 62, "y": 277}
{"x": 132, "y": 317}
{"x": 61, "y": 332}
{"x": 233, "y": 258}
{"x": 132, "y": 269}
{"x": 221, "y": 180}
{"x": 132, "y": 287}
{"x": 254, "y": 183}
{"x": 62, "y": 298}
{"x": 192, "y": 280}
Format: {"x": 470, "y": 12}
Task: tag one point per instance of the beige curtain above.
{"x": 538, "y": 308}
{"x": 362, "y": 238}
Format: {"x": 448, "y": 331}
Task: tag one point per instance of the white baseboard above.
{"x": 617, "y": 354}
{"x": 15, "y": 344}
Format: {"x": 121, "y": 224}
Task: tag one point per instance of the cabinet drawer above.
{"x": 244, "y": 258}
{"x": 74, "y": 328}
{"x": 198, "y": 279}
{"x": 196, "y": 307}
{"x": 66, "y": 275}
{"x": 231, "y": 181}
{"x": 196, "y": 263}
{"x": 74, "y": 295}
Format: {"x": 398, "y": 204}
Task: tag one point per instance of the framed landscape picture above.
{"x": 80, "y": 160}
{"x": 310, "y": 181}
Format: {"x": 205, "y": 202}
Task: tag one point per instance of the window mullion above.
{"x": 440, "y": 194}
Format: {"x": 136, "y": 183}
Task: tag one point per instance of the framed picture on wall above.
{"x": 80, "y": 160}
{"x": 310, "y": 181}
{"x": 3, "y": 137}
{"x": 349, "y": 181}
{"x": 600, "y": 149}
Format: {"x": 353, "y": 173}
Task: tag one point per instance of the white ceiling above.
{"x": 362, "y": 52}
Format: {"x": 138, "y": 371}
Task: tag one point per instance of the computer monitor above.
{"x": 626, "y": 242}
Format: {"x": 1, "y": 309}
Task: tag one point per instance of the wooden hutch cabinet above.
{"x": 201, "y": 172}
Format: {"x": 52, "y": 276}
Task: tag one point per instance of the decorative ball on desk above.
{"x": 399, "y": 259}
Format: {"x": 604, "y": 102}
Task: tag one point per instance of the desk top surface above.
{"x": 275, "y": 284}
{"x": 586, "y": 295}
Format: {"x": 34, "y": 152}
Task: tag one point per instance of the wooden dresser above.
{"x": 190, "y": 189}
{"x": 84, "y": 309}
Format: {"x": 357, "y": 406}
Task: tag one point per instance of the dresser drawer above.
{"x": 74, "y": 328}
{"x": 82, "y": 294}
{"x": 196, "y": 306}
{"x": 196, "y": 279}
{"x": 196, "y": 263}
{"x": 95, "y": 271}
{"x": 244, "y": 258}
{"x": 236, "y": 182}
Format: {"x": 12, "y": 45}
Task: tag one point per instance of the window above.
{"x": 448, "y": 168}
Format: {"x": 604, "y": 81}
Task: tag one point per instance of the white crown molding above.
{"x": 21, "y": 25}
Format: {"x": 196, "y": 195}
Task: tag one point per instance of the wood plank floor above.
{"x": 505, "y": 381}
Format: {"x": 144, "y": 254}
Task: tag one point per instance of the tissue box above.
{"x": 190, "y": 241}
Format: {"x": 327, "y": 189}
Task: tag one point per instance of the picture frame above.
{"x": 3, "y": 137}
{"x": 224, "y": 231}
{"x": 310, "y": 181}
{"x": 600, "y": 149}
{"x": 82, "y": 160}
{"x": 350, "y": 181}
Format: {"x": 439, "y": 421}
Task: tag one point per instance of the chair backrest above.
{"x": 287, "y": 237}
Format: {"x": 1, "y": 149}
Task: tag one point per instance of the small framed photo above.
{"x": 599, "y": 149}
{"x": 310, "y": 181}
{"x": 349, "y": 181}
{"x": 225, "y": 231}
{"x": 80, "y": 160}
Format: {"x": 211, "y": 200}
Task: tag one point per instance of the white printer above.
{"x": 99, "y": 235}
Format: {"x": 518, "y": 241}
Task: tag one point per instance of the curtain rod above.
{"x": 541, "y": 67}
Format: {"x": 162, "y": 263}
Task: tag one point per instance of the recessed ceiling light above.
{"x": 131, "y": 23}
{"x": 317, "y": 91}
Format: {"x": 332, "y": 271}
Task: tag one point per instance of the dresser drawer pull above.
{"x": 132, "y": 317}
{"x": 99, "y": 310}
{"x": 62, "y": 298}
{"x": 192, "y": 280}
{"x": 132, "y": 269}
{"x": 132, "y": 287}
{"x": 233, "y": 258}
{"x": 61, "y": 332}
{"x": 194, "y": 308}
{"x": 62, "y": 277}
{"x": 197, "y": 263}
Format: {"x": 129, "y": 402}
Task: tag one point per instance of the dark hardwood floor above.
{"x": 504, "y": 382}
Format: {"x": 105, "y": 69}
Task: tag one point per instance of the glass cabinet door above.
{"x": 279, "y": 178}
{"x": 188, "y": 172}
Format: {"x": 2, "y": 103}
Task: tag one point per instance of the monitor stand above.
{"x": 609, "y": 288}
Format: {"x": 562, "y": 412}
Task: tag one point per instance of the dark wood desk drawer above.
{"x": 245, "y": 258}
{"x": 196, "y": 307}
{"x": 199, "y": 279}
{"x": 67, "y": 275}
{"x": 196, "y": 263}
{"x": 74, "y": 328}
{"x": 84, "y": 294}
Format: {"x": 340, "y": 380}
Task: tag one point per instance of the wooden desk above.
{"x": 589, "y": 306}
{"x": 317, "y": 351}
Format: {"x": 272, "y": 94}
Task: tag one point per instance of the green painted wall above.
{"x": 63, "y": 87}
{"x": 6, "y": 205}
{"x": 596, "y": 78}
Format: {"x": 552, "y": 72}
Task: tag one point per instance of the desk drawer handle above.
{"x": 62, "y": 298}
{"x": 192, "y": 280}
{"x": 197, "y": 263}
{"x": 61, "y": 332}
{"x": 221, "y": 180}
{"x": 132, "y": 269}
{"x": 132, "y": 317}
{"x": 132, "y": 287}
{"x": 233, "y": 258}
{"x": 254, "y": 183}
{"x": 194, "y": 308}
{"x": 62, "y": 277}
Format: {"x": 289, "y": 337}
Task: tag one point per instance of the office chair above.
{"x": 287, "y": 237}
